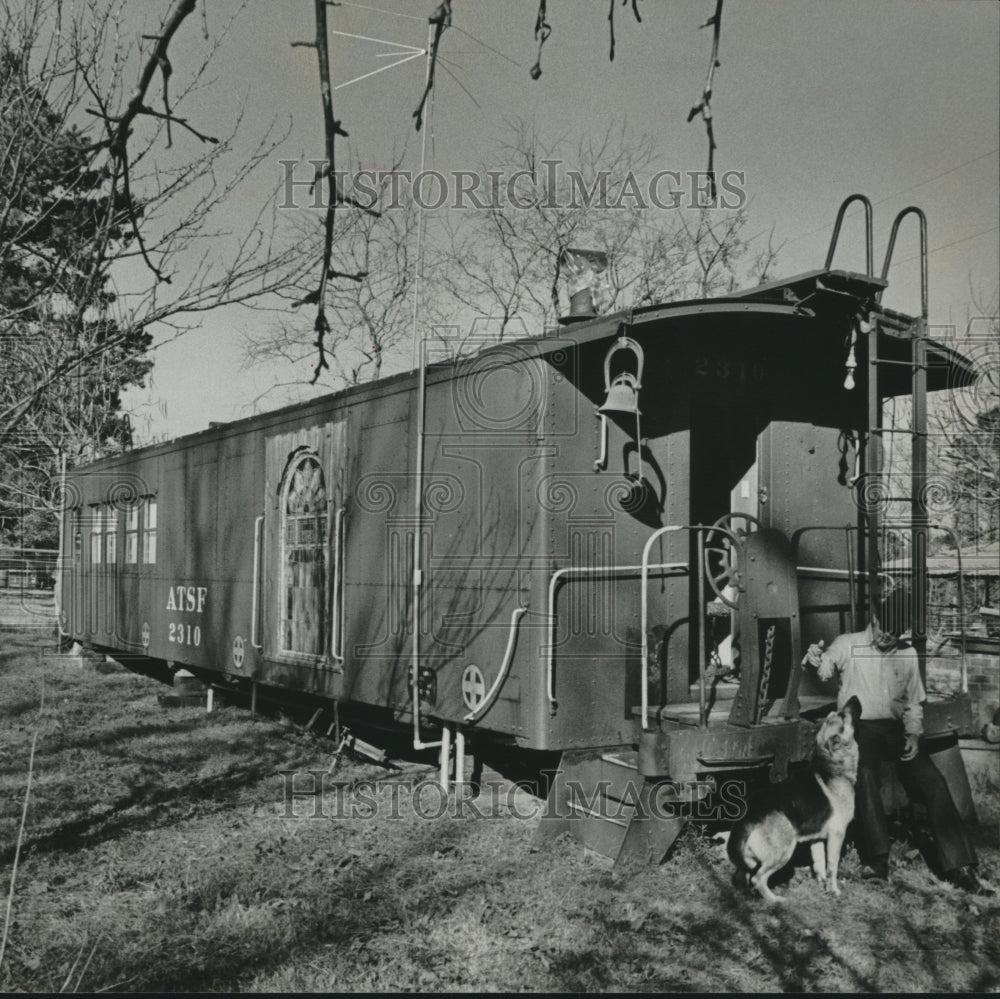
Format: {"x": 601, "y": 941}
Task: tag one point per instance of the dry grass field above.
{"x": 160, "y": 854}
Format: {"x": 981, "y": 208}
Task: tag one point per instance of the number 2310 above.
{"x": 736, "y": 370}
{"x": 184, "y": 634}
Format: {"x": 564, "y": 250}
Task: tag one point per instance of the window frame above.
{"x": 78, "y": 537}
{"x": 147, "y": 531}
{"x": 296, "y": 461}
{"x": 133, "y": 521}
{"x": 96, "y": 534}
{"x": 111, "y": 535}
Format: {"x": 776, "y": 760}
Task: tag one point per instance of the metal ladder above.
{"x": 875, "y": 433}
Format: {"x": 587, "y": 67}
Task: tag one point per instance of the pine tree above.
{"x": 65, "y": 359}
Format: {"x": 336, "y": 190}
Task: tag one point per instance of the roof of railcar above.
{"x": 815, "y": 294}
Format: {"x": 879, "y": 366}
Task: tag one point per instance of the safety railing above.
{"x": 508, "y": 657}
{"x": 700, "y": 530}
{"x": 852, "y": 576}
{"x": 337, "y": 631}
{"x": 255, "y": 592}
{"x": 589, "y": 571}
{"x": 869, "y": 251}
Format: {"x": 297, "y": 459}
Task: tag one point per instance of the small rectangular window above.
{"x": 149, "y": 533}
{"x": 132, "y": 534}
{"x": 111, "y": 535}
{"x": 95, "y": 535}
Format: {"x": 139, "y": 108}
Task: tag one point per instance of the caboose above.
{"x": 612, "y": 540}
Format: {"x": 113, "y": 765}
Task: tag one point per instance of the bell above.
{"x": 623, "y": 395}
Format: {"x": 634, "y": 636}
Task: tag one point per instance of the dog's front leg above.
{"x": 818, "y": 850}
{"x": 834, "y": 843}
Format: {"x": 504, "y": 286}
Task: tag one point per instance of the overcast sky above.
{"x": 814, "y": 100}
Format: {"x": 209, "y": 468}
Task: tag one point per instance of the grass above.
{"x": 159, "y": 855}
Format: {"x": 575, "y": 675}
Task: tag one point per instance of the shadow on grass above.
{"x": 14, "y": 646}
{"x": 50, "y": 751}
{"x": 143, "y": 807}
{"x": 366, "y": 917}
{"x": 362, "y": 919}
{"x": 340, "y": 913}
{"x": 165, "y": 787}
{"x": 794, "y": 945}
{"x": 13, "y": 710}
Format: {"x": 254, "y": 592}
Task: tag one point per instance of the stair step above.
{"x": 615, "y": 768}
{"x": 724, "y": 691}
{"x": 604, "y": 838}
{"x": 597, "y": 816}
{"x": 593, "y": 798}
{"x": 607, "y": 821}
{"x": 628, "y": 760}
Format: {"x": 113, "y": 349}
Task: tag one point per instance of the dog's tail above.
{"x": 750, "y": 861}
{"x": 741, "y": 851}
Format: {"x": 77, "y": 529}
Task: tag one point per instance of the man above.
{"x": 882, "y": 671}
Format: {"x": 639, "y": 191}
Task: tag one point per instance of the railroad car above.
{"x": 612, "y": 540}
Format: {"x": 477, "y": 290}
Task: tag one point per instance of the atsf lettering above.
{"x": 187, "y": 598}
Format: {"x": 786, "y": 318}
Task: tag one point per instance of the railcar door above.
{"x": 302, "y": 555}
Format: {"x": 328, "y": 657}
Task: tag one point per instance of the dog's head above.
{"x": 836, "y": 748}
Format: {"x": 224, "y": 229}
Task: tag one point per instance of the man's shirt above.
{"x": 887, "y": 684}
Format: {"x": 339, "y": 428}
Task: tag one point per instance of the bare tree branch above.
{"x": 611, "y": 23}
{"x": 75, "y": 205}
{"x": 440, "y": 19}
{"x": 542, "y": 31}
{"x": 704, "y": 106}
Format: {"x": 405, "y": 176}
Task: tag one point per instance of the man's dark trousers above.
{"x": 883, "y": 740}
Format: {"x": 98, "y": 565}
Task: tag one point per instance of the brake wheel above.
{"x": 724, "y": 541}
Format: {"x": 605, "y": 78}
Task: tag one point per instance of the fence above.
{"x": 28, "y": 568}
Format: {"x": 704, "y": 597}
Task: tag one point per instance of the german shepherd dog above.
{"x": 814, "y": 806}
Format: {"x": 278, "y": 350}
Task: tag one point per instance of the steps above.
{"x": 601, "y": 800}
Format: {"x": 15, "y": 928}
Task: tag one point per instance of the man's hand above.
{"x": 910, "y": 747}
{"x": 814, "y": 655}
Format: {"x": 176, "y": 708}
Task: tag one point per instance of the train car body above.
{"x": 514, "y": 545}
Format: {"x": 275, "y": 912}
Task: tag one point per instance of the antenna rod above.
{"x": 418, "y": 256}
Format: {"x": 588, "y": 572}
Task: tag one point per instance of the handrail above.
{"x": 702, "y": 699}
{"x": 645, "y": 617}
{"x": 337, "y": 637}
{"x": 911, "y": 210}
{"x": 850, "y": 588}
{"x": 508, "y": 658}
{"x": 255, "y": 600}
{"x": 826, "y": 570}
{"x": 869, "y": 244}
{"x": 587, "y": 570}
{"x": 851, "y": 573}
{"x": 964, "y": 667}
{"x": 602, "y": 461}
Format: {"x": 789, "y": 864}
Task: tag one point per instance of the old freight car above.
{"x": 559, "y": 543}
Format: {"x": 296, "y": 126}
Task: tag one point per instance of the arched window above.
{"x": 303, "y": 626}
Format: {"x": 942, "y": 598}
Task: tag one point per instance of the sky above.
{"x": 813, "y": 100}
